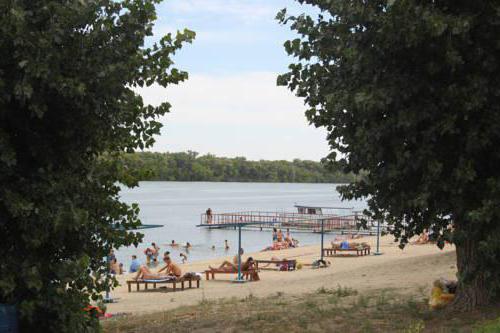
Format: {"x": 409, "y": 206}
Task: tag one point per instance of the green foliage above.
{"x": 67, "y": 74}
{"x": 408, "y": 91}
{"x": 489, "y": 327}
{"x": 189, "y": 166}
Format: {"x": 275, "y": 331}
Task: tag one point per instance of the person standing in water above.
{"x": 280, "y": 236}
{"x": 275, "y": 235}
{"x": 184, "y": 257}
{"x": 226, "y": 245}
{"x": 156, "y": 251}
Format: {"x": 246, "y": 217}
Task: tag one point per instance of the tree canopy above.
{"x": 68, "y": 70}
{"x": 408, "y": 91}
{"x": 190, "y": 166}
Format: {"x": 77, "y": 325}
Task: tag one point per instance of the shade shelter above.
{"x": 238, "y": 225}
{"x": 108, "y": 298}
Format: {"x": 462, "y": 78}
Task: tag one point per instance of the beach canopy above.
{"x": 238, "y": 225}
{"x": 107, "y": 298}
{"x": 148, "y": 226}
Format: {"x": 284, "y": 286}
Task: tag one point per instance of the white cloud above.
{"x": 236, "y": 115}
{"x": 247, "y": 11}
{"x": 250, "y": 98}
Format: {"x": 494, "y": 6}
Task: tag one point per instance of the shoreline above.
{"x": 413, "y": 268}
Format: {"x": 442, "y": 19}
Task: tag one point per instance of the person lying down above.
{"x": 232, "y": 267}
{"x": 170, "y": 268}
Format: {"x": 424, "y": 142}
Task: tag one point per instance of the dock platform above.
{"x": 285, "y": 220}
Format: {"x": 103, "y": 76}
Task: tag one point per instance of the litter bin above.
{"x": 8, "y": 319}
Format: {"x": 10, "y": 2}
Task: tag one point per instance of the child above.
{"x": 184, "y": 257}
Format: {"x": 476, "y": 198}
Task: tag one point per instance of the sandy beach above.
{"x": 408, "y": 270}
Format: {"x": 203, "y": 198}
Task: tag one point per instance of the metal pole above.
{"x": 377, "y": 253}
{"x": 322, "y": 237}
{"x": 239, "y": 253}
{"x": 107, "y": 298}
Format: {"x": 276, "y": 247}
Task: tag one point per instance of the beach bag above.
{"x": 440, "y": 299}
{"x": 284, "y": 267}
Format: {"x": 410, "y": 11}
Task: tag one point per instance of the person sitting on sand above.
{"x": 134, "y": 265}
{"x": 184, "y": 257}
{"x": 423, "y": 238}
{"x": 115, "y": 267}
{"x": 230, "y": 267}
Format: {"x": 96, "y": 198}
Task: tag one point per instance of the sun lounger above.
{"x": 290, "y": 264}
{"x": 360, "y": 251}
{"x": 247, "y": 275}
{"x": 174, "y": 282}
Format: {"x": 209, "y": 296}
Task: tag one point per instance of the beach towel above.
{"x": 169, "y": 278}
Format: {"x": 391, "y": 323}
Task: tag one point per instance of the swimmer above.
{"x": 173, "y": 244}
{"x": 226, "y": 245}
{"x": 188, "y": 245}
{"x": 213, "y": 247}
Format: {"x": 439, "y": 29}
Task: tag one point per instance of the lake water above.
{"x": 178, "y": 207}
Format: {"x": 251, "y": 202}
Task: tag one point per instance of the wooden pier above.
{"x": 285, "y": 220}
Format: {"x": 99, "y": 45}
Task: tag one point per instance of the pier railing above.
{"x": 309, "y": 222}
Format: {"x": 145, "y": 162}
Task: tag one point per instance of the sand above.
{"x": 408, "y": 270}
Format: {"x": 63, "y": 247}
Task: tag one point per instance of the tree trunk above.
{"x": 473, "y": 287}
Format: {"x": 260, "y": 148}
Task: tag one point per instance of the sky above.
{"x": 230, "y": 105}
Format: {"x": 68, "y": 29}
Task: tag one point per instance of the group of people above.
{"x": 246, "y": 266}
{"x": 170, "y": 270}
{"x": 425, "y": 237}
{"x": 281, "y": 242}
{"x": 152, "y": 253}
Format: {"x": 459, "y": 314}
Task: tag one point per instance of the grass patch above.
{"x": 326, "y": 310}
{"x": 492, "y": 326}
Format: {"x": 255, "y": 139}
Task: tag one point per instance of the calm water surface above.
{"x": 178, "y": 206}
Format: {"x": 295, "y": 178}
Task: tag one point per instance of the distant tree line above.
{"x": 190, "y": 166}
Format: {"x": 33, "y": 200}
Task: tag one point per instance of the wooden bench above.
{"x": 331, "y": 252}
{"x": 247, "y": 275}
{"x": 181, "y": 280}
{"x": 292, "y": 264}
